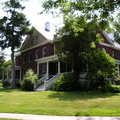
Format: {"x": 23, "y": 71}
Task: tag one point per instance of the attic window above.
{"x": 36, "y": 39}
{"x": 31, "y": 41}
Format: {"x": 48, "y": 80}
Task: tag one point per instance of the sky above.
{"x": 32, "y": 10}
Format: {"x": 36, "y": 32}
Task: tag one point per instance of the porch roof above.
{"x": 10, "y": 68}
{"x": 47, "y": 59}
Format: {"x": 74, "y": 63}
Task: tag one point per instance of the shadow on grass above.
{"x": 78, "y": 95}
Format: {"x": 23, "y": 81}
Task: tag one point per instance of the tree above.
{"x": 77, "y": 39}
{"x": 1, "y": 63}
{"x": 74, "y": 47}
{"x": 100, "y": 10}
{"x": 12, "y": 27}
{"x": 97, "y": 70}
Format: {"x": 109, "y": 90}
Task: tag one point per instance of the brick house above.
{"x": 37, "y": 53}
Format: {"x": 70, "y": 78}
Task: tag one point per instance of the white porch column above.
{"x": 47, "y": 71}
{"x": 58, "y": 67}
{"x": 38, "y": 68}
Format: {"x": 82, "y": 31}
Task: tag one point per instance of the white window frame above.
{"x": 36, "y": 54}
{"x": 44, "y": 52}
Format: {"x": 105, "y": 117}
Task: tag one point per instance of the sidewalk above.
{"x": 44, "y": 117}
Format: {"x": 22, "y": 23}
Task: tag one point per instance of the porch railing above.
{"x": 49, "y": 83}
{"x": 40, "y": 81}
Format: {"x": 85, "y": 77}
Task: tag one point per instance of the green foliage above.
{"x": 98, "y": 60}
{"x": 65, "y": 82}
{"x": 114, "y": 89}
{"x": 7, "y": 64}
{"x": 13, "y": 26}
{"x": 117, "y": 80}
{"x": 1, "y": 63}
{"x": 28, "y": 81}
{"x": 6, "y": 84}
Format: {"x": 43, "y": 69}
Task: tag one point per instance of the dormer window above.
{"x": 37, "y": 54}
{"x": 44, "y": 52}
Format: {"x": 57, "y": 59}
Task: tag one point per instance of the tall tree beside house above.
{"x": 2, "y": 60}
{"x": 12, "y": 27}
{"x": 77, "y": 39}
{"x": 75, "y": 47}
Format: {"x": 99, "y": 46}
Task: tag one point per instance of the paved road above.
{"x": 44, "y": 117}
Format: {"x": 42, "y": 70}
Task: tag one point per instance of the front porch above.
{"x": 50, "y": 68}
{"x": 7, "y": 74}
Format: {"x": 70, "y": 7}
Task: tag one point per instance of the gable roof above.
{"x": 40, "y": 40}
{"x": 110, "y": 42}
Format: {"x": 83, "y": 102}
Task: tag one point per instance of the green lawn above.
{"x": 60, "y": 103}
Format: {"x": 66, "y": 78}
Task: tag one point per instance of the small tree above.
{"x": 101, "y": 68}
{"x": 12, "y": 27}
{"x": 28, "y": 81}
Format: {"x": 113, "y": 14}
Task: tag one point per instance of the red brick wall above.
{"x": 32, "y": 64}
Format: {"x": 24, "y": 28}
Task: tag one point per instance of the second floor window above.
{"x": 24, "y": 58}
{"x": 37, "y": 54}
{"x": 30, "y": 57}
{"x": 44, "y": 52}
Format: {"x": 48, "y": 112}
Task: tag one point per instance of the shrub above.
{"x": 117, "y": 80}
{"x": 65, "y": 82}
{"x": 6, "y": 84}
{"x": 28, "y": 81}
{"x": 114, "y": 89}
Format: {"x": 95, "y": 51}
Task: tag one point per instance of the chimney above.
{"x": 47, "y": 26}
{"x": 111, "y": 36}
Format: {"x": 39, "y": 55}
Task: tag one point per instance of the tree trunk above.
{"x": 13, "y": 70}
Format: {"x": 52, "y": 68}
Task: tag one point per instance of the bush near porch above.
{"x": 66, "y": 82}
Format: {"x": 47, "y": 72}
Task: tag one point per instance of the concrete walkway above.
{"x": 44, "y": 117}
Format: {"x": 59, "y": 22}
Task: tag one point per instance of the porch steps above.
{"x": 40, "y": 88}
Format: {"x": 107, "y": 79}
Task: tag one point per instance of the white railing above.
{"x": 40, "y": 81}
{"x": 49, "y": 83}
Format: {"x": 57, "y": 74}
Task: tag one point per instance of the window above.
{"x": 104, "y": 49}
{"x": 36, "y": 39}
{"x": 24, "y": 58}
{"x": 43, "y": 69}
{"x": 37, "y": 54}
{"x": 44, "y": 52}
{"x": 113, "y": 54}
{"x": 31, "y": 41}
{"x": 30, "y": 57}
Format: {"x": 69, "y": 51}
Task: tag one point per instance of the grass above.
{"x": 60, "y": 103}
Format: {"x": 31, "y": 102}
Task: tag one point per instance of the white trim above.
{"x": 38, "y": 45}
{"x": 44, "y": 52}
{"x": 45, "y": 59}
{"x": 105, "y": 44}
{"x": 105, "y": 34}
